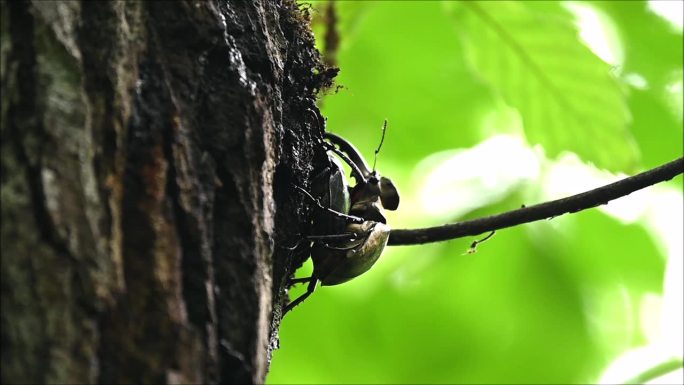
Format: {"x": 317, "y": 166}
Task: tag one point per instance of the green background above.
{"x": 549, "y": 302}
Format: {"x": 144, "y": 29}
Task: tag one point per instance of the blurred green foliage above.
{"x": 549, "y": 302}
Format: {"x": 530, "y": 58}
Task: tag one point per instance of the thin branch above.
{"x": 572, "y": 204}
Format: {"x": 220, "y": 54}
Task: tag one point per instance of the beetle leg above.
{"x": 333, "y": 237}
{"x": 353, "y": 241}
{"x": 295, "y": 281}
{"x": 292, "y": 248}
{"x": 350, "y": 218}
{"x": 309, "y": 290}
{"x": 321, "y": 173}
{"x": 330, "y": 237}
{"x": 320, "y": 122}
{"x": 350, "y": 247}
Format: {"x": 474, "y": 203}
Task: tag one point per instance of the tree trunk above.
{"x": 149, "y": 154}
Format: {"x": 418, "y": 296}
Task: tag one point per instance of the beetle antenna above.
{"x": 382, "y": 140}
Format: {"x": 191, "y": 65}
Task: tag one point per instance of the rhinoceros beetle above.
{"x": 351, "y": 229}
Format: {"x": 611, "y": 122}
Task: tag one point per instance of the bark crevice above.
{"x": 149, "y": 155}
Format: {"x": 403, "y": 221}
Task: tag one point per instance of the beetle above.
{"x": 355, "y": 231}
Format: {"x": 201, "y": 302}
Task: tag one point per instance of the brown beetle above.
{"x": 345, "y": 254}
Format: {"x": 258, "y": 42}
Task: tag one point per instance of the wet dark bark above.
{"x": 149, "y": 151}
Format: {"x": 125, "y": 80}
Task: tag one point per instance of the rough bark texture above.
{"x": 149, "y": 151}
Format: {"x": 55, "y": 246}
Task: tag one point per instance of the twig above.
{"x": 572, "y": 204}
{"x": 473, "y": 246}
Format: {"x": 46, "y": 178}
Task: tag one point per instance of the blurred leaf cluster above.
{"x": 492, "y": 105}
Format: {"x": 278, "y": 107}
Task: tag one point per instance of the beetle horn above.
{"x": 351, "y": 151}
{"x": 318, "y": 119}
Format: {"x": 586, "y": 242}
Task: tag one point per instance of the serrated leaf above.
{"x": 567, "y": 97}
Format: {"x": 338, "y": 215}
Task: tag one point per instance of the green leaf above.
{"x": 539, "y": 303}
{"x": 653, "y": 51}
{"x": 652, "y": 48}
{"x": 567, "y": 97}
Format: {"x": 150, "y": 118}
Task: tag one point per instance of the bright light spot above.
{"x": 672, "y": 11}
{"x": 672, "y": 317}
{"x": 634, "y": 362}
{"x": 597, "y": 31}
{"x": 460, "y": 181}
{"x": 661, "y": 320}
{"x": 664, "y": 220}
{"x": 635, "y": 80}
{"x": 675, "y": 95}
{"x": 569, "y": 176}
{"x": 676, "y": 377}
{"x": 650, "y": 316}
{"x": 659, "y": 208}
{"x": 610, "y": 315}
{"x": 502, "y": 120}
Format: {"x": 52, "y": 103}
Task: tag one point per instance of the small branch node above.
{"x": 473, "y": 246}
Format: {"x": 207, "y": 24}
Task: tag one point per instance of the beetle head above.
{"x": 389, "y": 195}
{"x": 379, "y": 187}
{"x": 370, "y": 185}
{"x": 367, "y": 198}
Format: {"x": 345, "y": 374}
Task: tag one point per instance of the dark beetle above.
{"x": 351, "y": 225}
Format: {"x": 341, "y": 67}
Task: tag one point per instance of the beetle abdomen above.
{"x": 340, "y": 263}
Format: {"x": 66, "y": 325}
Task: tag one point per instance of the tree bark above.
{"x": 149, "y": 154}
